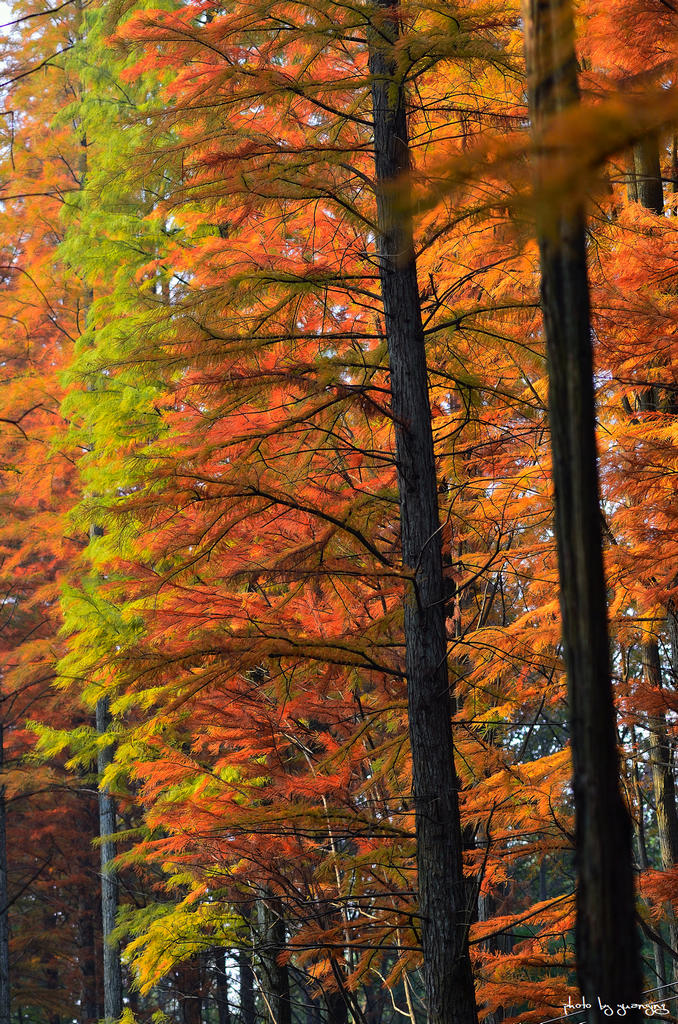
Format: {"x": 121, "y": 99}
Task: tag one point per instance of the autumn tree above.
{"x": 607, "y": 948}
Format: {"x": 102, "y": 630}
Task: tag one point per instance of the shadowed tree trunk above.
{"x": 109, "y": 883}
{"x": 247, "y": 1008}
{"x": 663, "y": 785}
{"x": 5, "y": 1008}
{"x": 651, "y": 197}
{"x": 86, "y": 957}
{"x": 608, "y": 959}
{"x": 648, "y": 174}
{"x": 337, "y": 1010}
{"x": 643, "y": 861}
{"x": 442, "y": 895}
{"x": 221, "y": 979}
{"x": 275, "y": 981}
{"x": 189, "y": 991}
{"x": 672, "y": 625}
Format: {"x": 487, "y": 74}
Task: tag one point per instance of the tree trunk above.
{"x": 307, "y": 997}
{"x": 608, "y": 957}
{"x": 189, "y": 991}
{"x": 442, "y": 895}
{"x": 248, "y": 1013}
{"x": 648, "y": 174}
{"x": 672, "y": 626}
{"x": 337, "y": 1010}
{"x": 651, "y": 197}
{"x": 631, "y": 180}
{"x": 86, "y": 958}
{"x": 275, "y": 981}
{"x": 643, "y": 861}
{"x": 375, "y": 1003}
{"x": 109, "y": 883}
{"x": 221, "y": 980}
{"x": 663, "y": 785}
{"x": 5, "y": 1004}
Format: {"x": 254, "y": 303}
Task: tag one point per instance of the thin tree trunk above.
{"x": 275, "y": 982}
{"x": 189, "y": 991}
{"x": 375, "y": 1003}
{"x": 248, "y": 1013}
{"x": 221, "y": 979}
{"x": 651, "y": 197}
{"x": 608, "y": 957}
{"x": 54, "y": 986}
{"x": 631, "y": 180}
{"x": 86, "y": 958}
{"x": 663, "y": 785}
{"x": 109, "y": 883}
{"x": 5, "y": 1001}
{"x": 312, "y": 1013}
{"x": 643, "y": 861}
{"x": 337, "y": 1010}
{"x": 442, "y": 895}
{"x": 308, "y": 1004}
{"x": 672, "y": 625}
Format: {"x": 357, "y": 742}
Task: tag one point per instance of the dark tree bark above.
{"x": 375, "y": 1003}
{"x": 663, "y": 785}
{"x": 312, "y": 1013}
{"x": 275, "y": 980}
{"x": 54, "y": 986}
{"x": 651, "y": 197}
{"x": 608, "y": 959}
{"x": 248, "y": 1013}
{"x": 631, "y": 180}
{"x": 648, "y": 174}
{"x": 643, "y": 860}
{"x": 337, "y": 1010}
{"x": 442, "y": 895}
{"x": 5, "y": 1004}
{"x": 86, "y": 957}
{"x": 189, "y": 991}
{"x": 221, "y": 981}
{"x": 307, "y": 996}
{"x": 109, "y": 883}
{"x": 672, "y": 626}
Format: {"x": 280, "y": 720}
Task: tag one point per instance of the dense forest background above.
{"x": 277, "y": 284}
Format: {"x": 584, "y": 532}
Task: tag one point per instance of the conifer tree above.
{"x": 443, "y": 900}
{"x": 607, "y": 946}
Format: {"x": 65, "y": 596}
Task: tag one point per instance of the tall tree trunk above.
{"x": 608, "y": 957}
{"x": 109, "y": 883}
{"x": 54, "y": 986}
{"x": 663, "y": 785}
{"x": 672, "y": 625}
{"x": 307, "y": 995}
{"x": 275, "y": 980}
{"x": 651, "y": 197}
{"x": 86, "y": 958}
{"x": 189, "y": 991}
{"x": 643, "y": 861}
{"x": 337, "y": 1010}
{"x": 5, "y": 1003}
{"x": 375, "y": 1003}
{"x": 442, "y": 894}
{"x": 648, "y": 174}
{"x": 248, "y": 1013}
{"x": 221, "y": 980}
{"x": 631, "y": 180}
